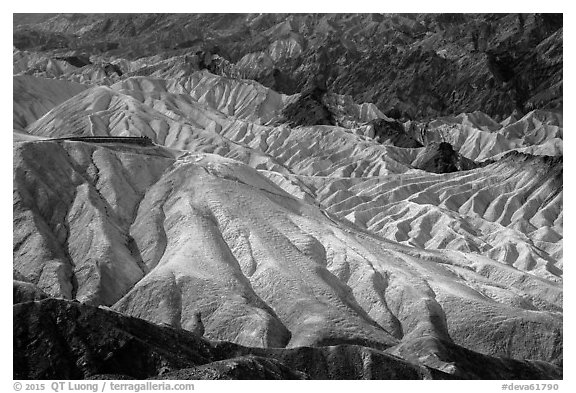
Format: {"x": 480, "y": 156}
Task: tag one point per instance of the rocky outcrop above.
{"x": 78, "y": 61}
{"x": 59, "y": 339}
{"x": 308, "y": 109}
{"x": 240, "y": 368}
{"x": 420, "y": 65}
{"x": 391, "y": 132}
{"x": 441, "y": 158}
{"x": 26, "y": 292}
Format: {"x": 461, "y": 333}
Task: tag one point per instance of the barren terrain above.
{"x": 305, "y": 228}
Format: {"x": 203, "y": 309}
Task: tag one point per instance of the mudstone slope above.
{"x": 303, "y": 234}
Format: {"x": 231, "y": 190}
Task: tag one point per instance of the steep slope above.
{"x": 478, "y": 137}
{"x": 209, "y": 234}
{"x": 510, "y": 211}
{"x": 216, "y": 115}
{"x": 344, "y": 169}
{"x": 97, "y": 343}
{"x": 222, "y": 175}
{"x": 33, "y": 97}
{"x": 86, "y": 342}
{"x": 69, "y": 67}
{"x": 24, "y": 292}
{"x": 441, "y": 158}
{"x": 416, "y": 65}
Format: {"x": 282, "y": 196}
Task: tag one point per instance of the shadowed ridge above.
{"x": 85, "y": 342}
{"x": 441, "y": 158}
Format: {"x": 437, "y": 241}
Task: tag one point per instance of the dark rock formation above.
{"x": 548, "y": 169}
{"x": 240, "y": 368}
{"x": 423, "y": 65}
{"x": 77, "y": 61}
{"x": 111, "y": 69}
{"x": 198, "y": 327}
{"x": 441, "y": 158}
{"x": 60, "y": 339}
{"x": 308, "y": 110}
{"x": 25, "y": 292}
{"x": 392, "y": 133}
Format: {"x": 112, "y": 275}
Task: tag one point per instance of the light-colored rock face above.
{"x": 209, "y": 234}
{"x": 509, "y": 211}
{"x": 501, "y": 211}
{"x": 286, "y": 237}
{"x": 478, "y": 137}
{"x": 33, "y": 97}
